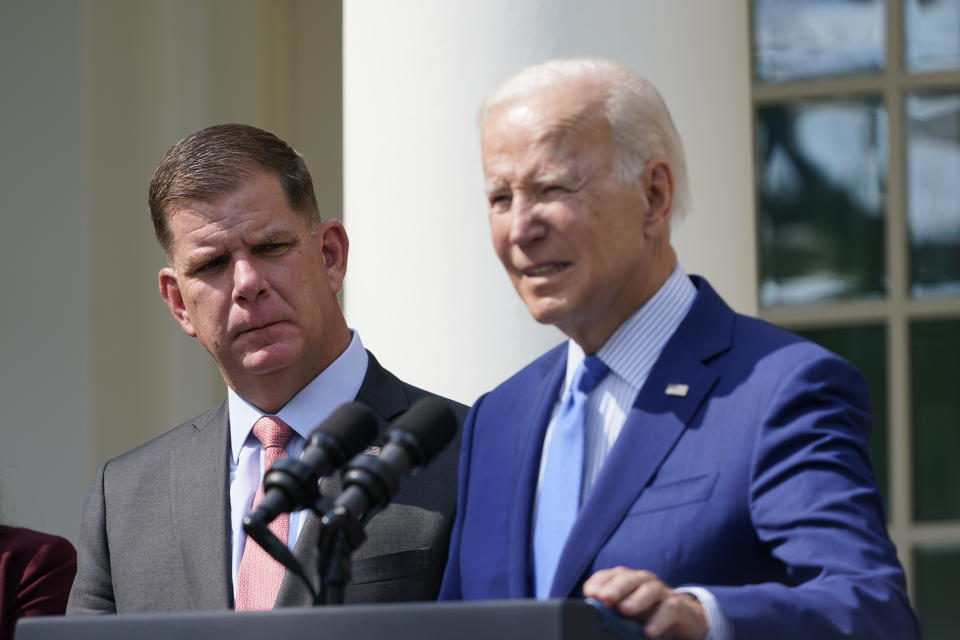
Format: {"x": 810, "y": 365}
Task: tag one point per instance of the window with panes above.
{"x": 857, "y": 134}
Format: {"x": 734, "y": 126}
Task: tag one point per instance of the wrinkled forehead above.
{"x": 567, "y": 102}
{"x": 548, "y": 115}
{"x": 527, "y": 137}
{"x": 255, "y": 207}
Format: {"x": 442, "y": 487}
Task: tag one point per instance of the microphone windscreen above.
{"x": 429, "y": 424}
{"x": 352, "y": 426}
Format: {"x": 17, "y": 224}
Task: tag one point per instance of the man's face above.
{"x": 578, "y": 244}
{"x": 255, "y": 284}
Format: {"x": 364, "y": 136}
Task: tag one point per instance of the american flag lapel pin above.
{"x": 677, "y": 389}
{"x": 372, "y": 451}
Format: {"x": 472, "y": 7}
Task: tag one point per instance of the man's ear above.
{"x": 657, "y": 183}
{"x": 335, "y": 247}
{"x": 170, "y": 292}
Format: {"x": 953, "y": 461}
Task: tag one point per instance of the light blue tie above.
{"x": 562, "y": 479}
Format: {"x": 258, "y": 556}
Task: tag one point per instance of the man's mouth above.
{"x": 545, "y": 269}
{"x": 257, "y": 327}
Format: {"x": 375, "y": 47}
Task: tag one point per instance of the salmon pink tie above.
{"x": 259, "y": 577}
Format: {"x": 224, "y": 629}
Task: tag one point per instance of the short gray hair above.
{"x": 639, "y": 119}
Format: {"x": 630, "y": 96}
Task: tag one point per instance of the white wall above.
{"x": 424, "y": 287}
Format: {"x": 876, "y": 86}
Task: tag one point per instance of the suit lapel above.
{"x": 533, "y": 426}
{"x": 384, "y": 393}
{"x": 649, "y": 433}
{"x": 198, "y": 478}
{"x": 652, "y": 428}
{"x": 292, "y": 591}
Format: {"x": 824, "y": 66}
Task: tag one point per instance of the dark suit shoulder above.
{"x": 414, "y": 394}
{"x": 389, "y": 396}
{"x": 763, "y": 345}
{"x": 713, "y": 331}
{"x": 760, "y": 334}
{"x": 406, "y": 547}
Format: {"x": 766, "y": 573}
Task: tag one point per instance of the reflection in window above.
{"x": 932, "y": 34}
{"x": 822, "y": 178}
{"x": 933, "y": 156}
{"x": 796, "y": 39}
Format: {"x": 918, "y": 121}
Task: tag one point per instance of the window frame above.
{"x": 897, "y": 309}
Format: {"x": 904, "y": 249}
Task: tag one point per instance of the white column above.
{"x": 424, "y": 287}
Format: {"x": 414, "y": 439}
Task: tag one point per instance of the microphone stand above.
{"x": 340, "y": 535}
{"x": 368, "y": 484}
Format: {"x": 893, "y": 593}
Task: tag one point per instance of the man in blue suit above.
{"x": 702, "y": 472}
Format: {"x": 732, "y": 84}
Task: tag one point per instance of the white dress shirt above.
{"x": 630, "y": 353}
{"x": 337, "y": 384}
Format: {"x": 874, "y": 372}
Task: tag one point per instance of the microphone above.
{"x": 413, "y": 440}
{"x": 291, "y": 485}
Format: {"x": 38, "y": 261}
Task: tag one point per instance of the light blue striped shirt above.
{"x": 630, "y": 353}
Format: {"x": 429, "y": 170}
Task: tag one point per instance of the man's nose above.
{"x": 526, "y": 222}
{"x": 249, "y": 282}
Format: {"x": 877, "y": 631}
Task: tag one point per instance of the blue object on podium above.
{"x": 476, "y": 620}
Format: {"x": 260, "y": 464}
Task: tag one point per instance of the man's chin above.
{"x": 268, "y": 360}
{"x": 547, "y": 310}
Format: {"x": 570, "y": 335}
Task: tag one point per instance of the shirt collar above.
{"x": 336, "y": 384}
{"x": 634, "y": 347}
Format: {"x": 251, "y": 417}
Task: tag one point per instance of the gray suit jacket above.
{"x": 156, "y": 529}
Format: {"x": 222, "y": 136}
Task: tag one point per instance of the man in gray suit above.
{"x": 253, "y": 273}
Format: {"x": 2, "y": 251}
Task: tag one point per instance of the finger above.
{"x": 597, "y": 583}
{"x": 677, "y": 617}
{"x": 620, "y": 584}
{"x": 597, "y": 580}
{"x": 643, "y": 600}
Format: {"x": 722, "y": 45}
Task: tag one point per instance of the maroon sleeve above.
{"x": 36, "y": 572}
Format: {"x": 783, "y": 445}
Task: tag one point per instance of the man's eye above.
{"x": 554, "y": 190}
{"x": 208, "y": 266}
{"x": 273, "y": 248}
{"x": 500, "y": 202}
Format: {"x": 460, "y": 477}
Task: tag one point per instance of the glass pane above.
{"x": 866, "y": 349}
{"x": 795, "y": 39}
{"x": 935, "y": 400}
{"x": 937, "y": 577}
{"x": 932, "y": 34}
{"x": 933, "y": 157}
{"x": 822, "y": 174}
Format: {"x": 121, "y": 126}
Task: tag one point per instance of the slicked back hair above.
{"x": 217, "y": 160}
{"x": 639, "y": 120}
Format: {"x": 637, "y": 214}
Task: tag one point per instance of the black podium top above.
{"x": 479, "y": 620}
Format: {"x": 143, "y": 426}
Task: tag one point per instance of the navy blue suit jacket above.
{"x": 755, "y": 484}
